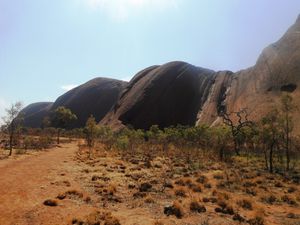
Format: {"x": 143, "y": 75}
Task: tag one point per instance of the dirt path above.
{"x": 109, "y": 183}
{"x": 27, "y": 182}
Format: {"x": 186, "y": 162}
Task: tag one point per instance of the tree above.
{"x": 237, "y": 128}
{"x": 106, "y": 136}
{"x": 152, "y": 136}
{"x": 136, "y": 138}
{"x": 271, "y": 135}
{"x": 287, "y": 107}
{"x": 222, "y": 135}
{"x": 46, "y": 122}
{"x": 61, "y": 119}
{"x": 12, "y": 122}
{"x": 90, "y": 131}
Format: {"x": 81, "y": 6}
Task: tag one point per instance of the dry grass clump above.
{"x": 250, "y": 191}
{"x": 112, "y": 189}
{"x": 61, "y": 196}
{"x": 196, "y": 188}
{"x": 119, "y": 162}
{"x": 139, "y": 195}
{"x": 168, "y": 184}
{"x": 289, "y": 200}
{"x": 180, "y": 192}
{"x": 238, "y": 217}
{"x": 50, "y": 202}
{"x": 207, "y": 185}
{"x": 224, "y": 208}
{"x": 221, "y": 196}
{"x": 149, "y": 200}
{"x": 245, "y": 204}
{"x": 221, "y": 185}
{"x": 278, "y": 184}
{"x": 97, "y": 218}
{"x": 211, "y": 199}
{"x": 102, "y": 178}
{"x": 180, "y": 182}
{"x": 257, "y": 220}
{"x": 218, "y": 176}
{"x": 202, "y": 179}
{"x": 298, "y": 198}
{"x": 157, "y": 222}
{"x": 270, "y": 199}
{"x": 175, "y": 209}
{"x": 248, "y": 184}
{"x": 188, "y": 181}
{"x": 196, "y": 207}
{"x": 85, "y": 170}
{"x": 293, "y": 216}
{"x": 292, "y": 189}
{"x": 87, "y": 199}
{"x": 258, "y": 181}
{"x": 74, "y": 193}
{"x": 145, "y": 187}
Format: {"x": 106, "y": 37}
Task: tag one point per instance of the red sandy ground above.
{"x": 27, "y": 181}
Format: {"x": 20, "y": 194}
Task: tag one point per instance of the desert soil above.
{"x": 107, "y": 182}
{"x": 27, "y": 181}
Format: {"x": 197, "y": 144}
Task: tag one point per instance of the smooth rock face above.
{"x": 180, "y": 93}
{"x": 165, "y": 95}
{"x": 277, "y": 71}
{"x": 96, "y": 97}
{"x": 34, "y": 114}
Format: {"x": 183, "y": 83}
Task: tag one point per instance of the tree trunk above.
{"x": 236, "y": 147}
{"x": 11, "y": 137}
{"x": 287, "y": 151}
{"x": 271, "y": 158}
{"x": 287, "y": 159}
{"x": 266, "y": 159}
{"x": 10, "y": 144}
{"x": 58, "y": 135}
{"x": 221, "y": 153}
{"x": 90, "y": 152}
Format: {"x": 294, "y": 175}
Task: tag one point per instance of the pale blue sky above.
{"x": 47, "y": 46}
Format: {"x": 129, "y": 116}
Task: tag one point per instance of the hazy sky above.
{"x": 48, "y": 46}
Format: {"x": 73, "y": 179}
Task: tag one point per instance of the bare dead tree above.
{"x": 236, "y": 127}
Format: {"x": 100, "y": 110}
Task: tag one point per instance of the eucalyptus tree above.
{"x": 271, "y": 135}
{"x": 287, "y": 108}
{"x": 62, "y": 119}
{"x": 90, "y": 130}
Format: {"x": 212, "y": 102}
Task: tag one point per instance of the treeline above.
{"x": 271, "y": 139}
{"x": 264, "y": 140}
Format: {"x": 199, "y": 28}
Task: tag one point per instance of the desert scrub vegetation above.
{"x": 97, "y": 217}
{"x": 180, "y": 192}
{"x": 185, "y": 171}
{"x": 176, "y": 209}
{"x": 263, "y": 143}
{"x": 50, "y": 202}
{"x": 156, "y": 173}
{"x": 196, "y": 207}
{"x": 16, "y": 136}
{"x": 269, "y": 143}
{"x": 245, "y": 204}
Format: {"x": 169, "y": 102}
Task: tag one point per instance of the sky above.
{"x": 48, "y": 47}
